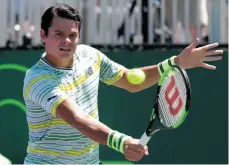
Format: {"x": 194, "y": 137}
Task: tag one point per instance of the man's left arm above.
{"x": 190, "y": 57}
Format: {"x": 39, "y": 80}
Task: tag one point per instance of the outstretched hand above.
{"x": 192, "y": 57}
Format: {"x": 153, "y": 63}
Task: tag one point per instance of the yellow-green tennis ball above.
{"x": 136, "y": 76}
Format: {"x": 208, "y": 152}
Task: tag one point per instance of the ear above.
{"x": 42, "y": 34}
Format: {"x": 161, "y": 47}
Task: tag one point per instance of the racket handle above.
{"x": 144, "y": 139}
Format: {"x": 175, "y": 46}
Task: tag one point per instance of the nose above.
{"x": 66, "y": 40}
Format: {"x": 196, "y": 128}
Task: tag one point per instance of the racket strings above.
{"x": 167, "y": 118}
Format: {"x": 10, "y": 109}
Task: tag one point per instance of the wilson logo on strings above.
{"x": 171, "y": 99}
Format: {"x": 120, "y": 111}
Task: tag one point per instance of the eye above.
{"x": 57, "y": 34}
{"x": 73, "y": 35}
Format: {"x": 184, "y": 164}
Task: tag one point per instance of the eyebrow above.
{"x": 63, "y": 32}
{"x": 58, "y": 31}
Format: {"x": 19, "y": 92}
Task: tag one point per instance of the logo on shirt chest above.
{"x": 89, "y": 71}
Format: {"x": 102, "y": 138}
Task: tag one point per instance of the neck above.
{"x": 60, "y": 63}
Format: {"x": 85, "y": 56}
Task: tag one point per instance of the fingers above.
{"x": 136, "y": 152}
{"x": 214, "y": 52}
{"x": 209, "y": 46}
{"x": 207, "y": 66}
{"x": 143, "y": 149}
{"x": 146, "y": 152}
{"x": 212, "y": 58}
{"x": 133, "y": 155}
{"x": 194, "y": 44}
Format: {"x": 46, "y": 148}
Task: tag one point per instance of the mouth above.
{"x": 65, "y": 50}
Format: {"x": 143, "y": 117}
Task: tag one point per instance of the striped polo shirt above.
{"x": 51, "y": 139}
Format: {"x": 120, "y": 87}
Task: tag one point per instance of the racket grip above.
{"x": 144, "y": 139}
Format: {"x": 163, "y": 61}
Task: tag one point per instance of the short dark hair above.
{"x": 60, "y": 10}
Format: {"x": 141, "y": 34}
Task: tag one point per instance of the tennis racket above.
{"x": 172, "y": 102}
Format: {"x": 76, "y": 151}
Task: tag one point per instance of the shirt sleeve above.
{"x": 110, "y": 71}
{"x": 44, "y": 91}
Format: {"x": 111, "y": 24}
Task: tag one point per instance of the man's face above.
{"x": 62, "y": 38}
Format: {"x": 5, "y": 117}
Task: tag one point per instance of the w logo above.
{"x": 171, "y": 99}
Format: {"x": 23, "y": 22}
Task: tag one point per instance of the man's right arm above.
{"x": 96, "y": 130}
{"x": 87, "y": 125}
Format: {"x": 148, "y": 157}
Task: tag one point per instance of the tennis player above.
{"x": 61, "y": 90}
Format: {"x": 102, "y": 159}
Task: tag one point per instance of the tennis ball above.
{"x": 136, "y": 76}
